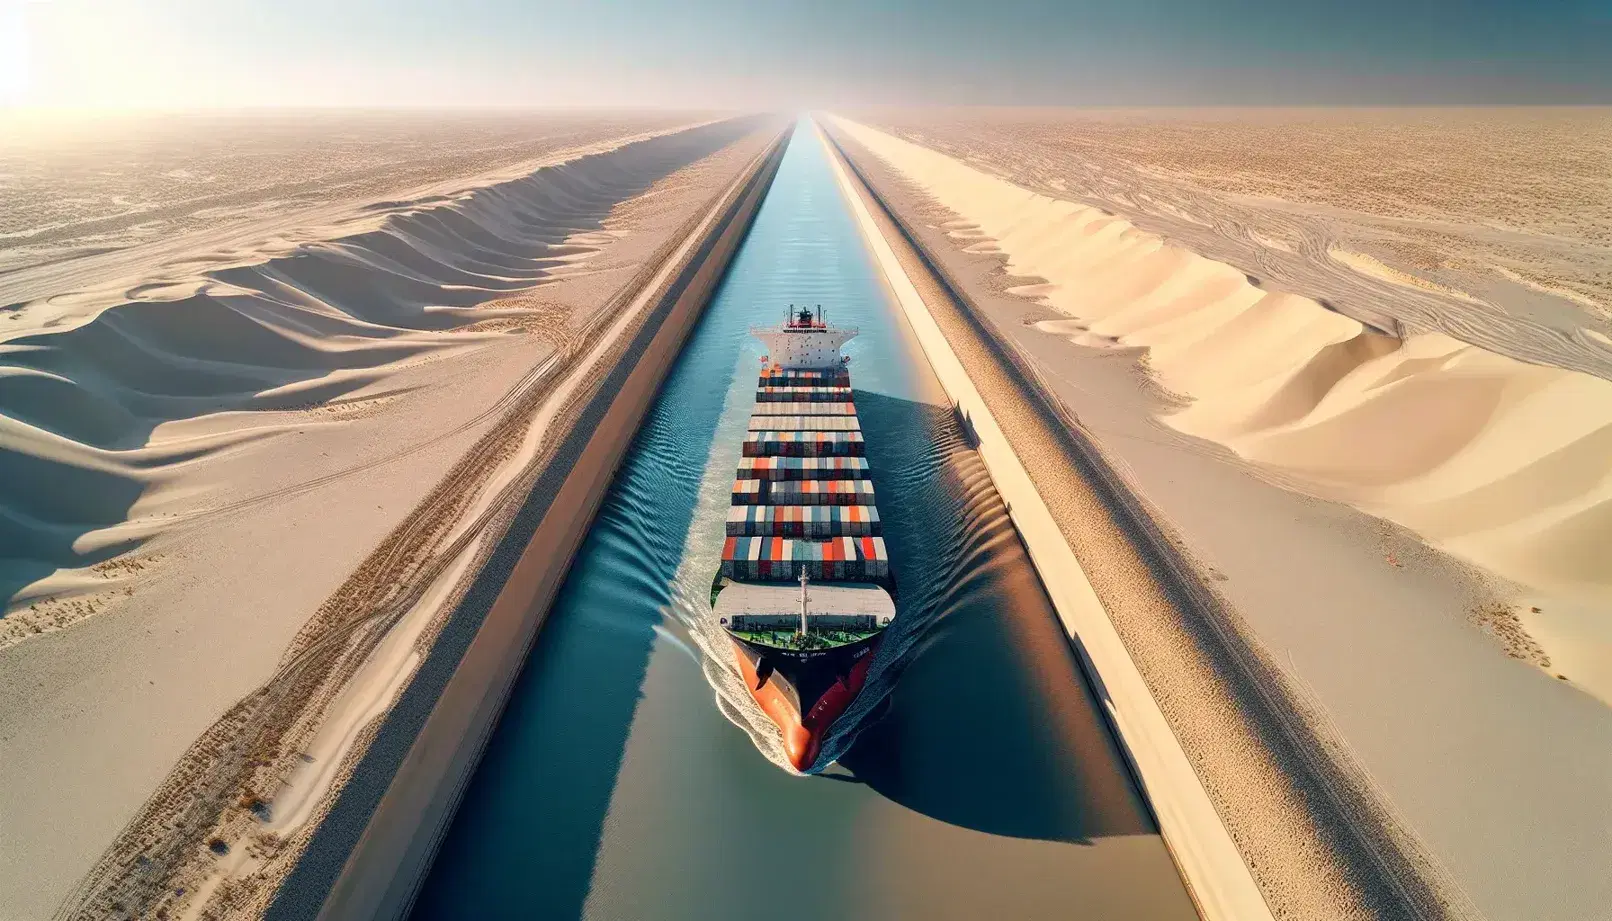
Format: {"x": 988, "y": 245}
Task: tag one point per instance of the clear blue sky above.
{"x": 179, "y": 53}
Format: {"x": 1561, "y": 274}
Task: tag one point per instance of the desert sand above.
{"x": 1378, "y": 511}
{"x": 1497, "y": 460}
{"x": 1507, "y": 205}
{"x": 1204, "y": 852}
{"x": 280, "y": 461}
{"x": 123, "y": 205}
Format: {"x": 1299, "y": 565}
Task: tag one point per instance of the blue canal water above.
{"x": 632, "y": 779}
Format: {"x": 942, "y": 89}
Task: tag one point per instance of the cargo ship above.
{"x": 805, "y": 590}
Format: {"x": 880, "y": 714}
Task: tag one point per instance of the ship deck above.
{"x": 825, "y": 601}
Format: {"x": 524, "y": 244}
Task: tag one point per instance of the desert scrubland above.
{"x": 1357, "y": 362}
{"x": 252, "y": 441}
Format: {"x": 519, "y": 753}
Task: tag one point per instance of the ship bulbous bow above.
{"x": 804, "y": 697}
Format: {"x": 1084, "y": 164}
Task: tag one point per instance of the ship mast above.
{"x": 803, "y": 602}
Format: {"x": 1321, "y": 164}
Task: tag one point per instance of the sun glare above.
{"x": 14, "y": 58}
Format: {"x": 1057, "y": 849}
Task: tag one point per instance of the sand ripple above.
{"x": 1498, "y": 460}
{"x": 84, "y": 395}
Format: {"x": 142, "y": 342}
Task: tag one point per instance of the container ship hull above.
{"x": 804, "y": 693}
{"x": 805, "y": 590}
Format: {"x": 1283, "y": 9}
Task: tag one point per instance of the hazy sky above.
{"x": 746, "y": 53}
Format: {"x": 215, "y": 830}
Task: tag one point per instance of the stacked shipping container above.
{"x": 803, "y": 468}
{"x": 795, "y": 406}
{"x": 803, "y": 521}
{"x": 853, "y": 559}
{"x": 802, "y": 500}
{"x": 802, "y": 492}
{"x": 805, "y": 423}
{"x": 803, "y": 394}
{"x": 781, "y": 377}
{"x": 803, "y": 444}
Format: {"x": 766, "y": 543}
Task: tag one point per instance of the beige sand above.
{"x": 520, "y": 453}
{"x": 385, "y": 867}
{"x": 1452, "y": 748}
{"x": 1282, "y": 828}
{"x": 1220, "y": 882}
{"x": 55, "y": 274}
{"x": 262, "y": 515}
{"x": 1500, "y": 462}
{"x": 1499, "y": 202}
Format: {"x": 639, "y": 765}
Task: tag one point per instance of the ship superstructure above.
{"x": 805, "y": 588}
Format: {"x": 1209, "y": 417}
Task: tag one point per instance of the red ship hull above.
{"x": 781, "y": 696}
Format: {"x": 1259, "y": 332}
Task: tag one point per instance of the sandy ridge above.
{"x": 1463, "y": 199}
{"x": 90, "y": 408}
{"x": 1318, "y": 843}
{"x": 1216, "y": 876}
{"x": 59, "y": 295}
{"x": 1493, "y": 459}
{"x": 387, "y": 864}
{"x": 261, "y": 739}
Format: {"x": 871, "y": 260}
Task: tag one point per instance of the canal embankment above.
{"x": 1309, "y": 823}
{"x": 997, "y": 396}
{"x": 373, "y": 848}
{"x": 628, "y": 779}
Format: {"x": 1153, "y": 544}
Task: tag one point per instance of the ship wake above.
{"x": 946, "y": 529}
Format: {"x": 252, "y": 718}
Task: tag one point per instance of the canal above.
{"x": 632, "y": 779}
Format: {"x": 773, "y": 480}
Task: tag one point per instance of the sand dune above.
{"x": 129, "y": 202}
{"x": 203, "y": 476}
{"x": 1411, "y": 677}
{"x": 1492, "y": 225}
{"x": 1501, "y": 462}
{"x": 80, "y": 404}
